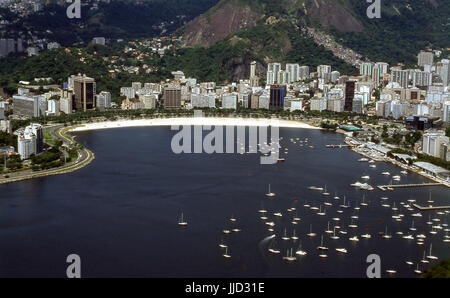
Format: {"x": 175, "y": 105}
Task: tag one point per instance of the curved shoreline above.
{"x": 194, "y": 121}
{"x": 67, "y": 168}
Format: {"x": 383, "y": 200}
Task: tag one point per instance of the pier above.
{"x": 392, "y": 186}
{"x": 431, "y": 207}
{"x": 337, "y": 146}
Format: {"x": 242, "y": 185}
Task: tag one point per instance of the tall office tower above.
{"x": 172, "y": 98}
{"x": 425, "y": 58}
{"x": 443, "y": 69}
{"x": 304, "y": 72}
{"x": 254, "y": 80}
{"x": 400, "y": 76}
{"x": 365, "y": 68}
{"x": 349, "y": 95}
{"x": 277, "y": 94}
{"x": 294, "y": 72}
{"x": 84, "y": 90}
{"x": 322, "y": 70}
{"x": 274, "y": 68}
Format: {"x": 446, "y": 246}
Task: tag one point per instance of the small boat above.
{"x": 279, "y": 214}
{"x": 226, "y": 255}
{"x": 328, "y": 231}
{"x": 367, "y": 236}
{"x": 270, "y": 194}
{"x": 386, "y": 235}
{"x": 354, "y": 238}
{"x": 182, "y": 222}
{"x": 430, "y": 256}
{"x": 409, "y": 263}
{"x": 363, "y": 203}
{"x": 290, "y": 256}
{"x": 396, "y": 178}
{"x": 412, "y": 228}
{"x": 424, "y": 259}
{"x": 294, "y": 237}
{"x": 233, "y": 219}
{"x": 281, "y": 159}
{"x": 417, "y": 271}
{"x": 386, "y": 173}
{"x": 311, "y": 234}
{"x": 315, "y": 188}
{"x": 372, "y": 166}
{"x": 352, "y": 225}
{"x": 325, "y": 192}
{"x": 365, "y": 177}
{"x": 273, "y": 250}
{"x": 285, "y": 236}
{"x": 334, "y": 237}
{"x": 404, "y": 172}
{"x": 363, "y": 159}
{"x": 321, "y": 213}
{"x": 409, "y": 237}
{"x": 222, "y": 244}
{"x": 341, "y": 250}
{"x": 391, "y": 271}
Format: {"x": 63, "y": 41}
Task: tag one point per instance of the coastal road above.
{"x": 85, "y": 157}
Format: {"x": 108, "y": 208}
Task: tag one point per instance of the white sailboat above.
{"x": 322, "y": 247}
{"x": 294, "y": 237}
{"x": 417, "y": 271}
{"x": 311, "y": 234}
{"x": 334, "y": 237}
{"x": 290, "y": 256}
{"x": 270, "y": 193}
{"x": 273, "y": 250}
{"x": 412, "y": 228}
{"x": 226, "y": 255}
{"x": 430, "y": 256}
{"x": 386, "y": 235}
{"x": 285, "y": 236}
{"x": 424, "y": 259}
{"x": 328, "y": 231}
{"x": 299, "y": 251}
{"x": 321, "y": 213}
{"x": 341, "y": 250}
{"x": 182, "y": 222}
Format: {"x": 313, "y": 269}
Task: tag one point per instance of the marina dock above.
{"x": 431, "y": 207}
{"x": 392, "y": 186}
{"x": 337, "y": 146}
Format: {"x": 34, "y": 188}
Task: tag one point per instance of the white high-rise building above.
{"x": 443, "y": 69}
{"x": 304, "y": 72}
{"x": 425, "y": 58}
{"x": 322, "y": 70}
{"x": 365, "y": 68}
{"x": 294, "y": 72}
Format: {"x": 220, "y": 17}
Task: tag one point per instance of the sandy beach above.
{"x": 194, "y": 121}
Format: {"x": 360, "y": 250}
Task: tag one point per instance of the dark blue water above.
{"x": 120, "y": 213}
